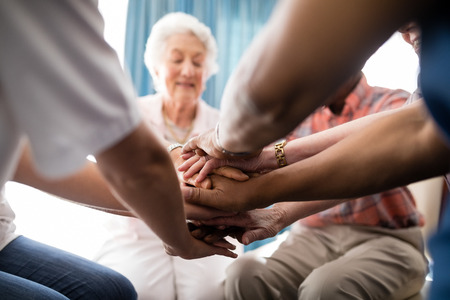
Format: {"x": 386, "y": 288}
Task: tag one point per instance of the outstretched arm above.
{"x": 296, "y": 150}
{"x": 259, "y": 224}
{"x": 128, "y": 169}
{"x": 398, "y": 149}
{"x": 86, "y": 187}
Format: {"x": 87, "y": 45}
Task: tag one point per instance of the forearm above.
{"x": 397, "y": 150}
{"x": 143, "y": 176}
{"x": 294, "y": 211}
{"x": 308, "y": 146}
{"x": 288, "y": 71}
{"x": 87, "y": 187}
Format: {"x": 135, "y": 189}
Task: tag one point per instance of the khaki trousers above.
{"x": 333, "y": 262}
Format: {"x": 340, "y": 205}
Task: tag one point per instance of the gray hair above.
{"x": 175, "y": 23}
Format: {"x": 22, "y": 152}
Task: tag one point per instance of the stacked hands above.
{"x": 215, "y": 188}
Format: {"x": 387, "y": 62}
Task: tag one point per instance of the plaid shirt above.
{"x": 391, "y": 209}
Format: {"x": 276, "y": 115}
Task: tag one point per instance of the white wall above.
{"x": 115, "y": 13}
{"x": 394, "y": 65}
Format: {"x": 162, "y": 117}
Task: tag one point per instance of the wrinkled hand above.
{"x": 206, "y": 144}
{"x": 203, "y": 144}
{"x": 249, "y": 226}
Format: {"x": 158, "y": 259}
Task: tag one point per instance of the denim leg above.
{"x": 13, "y": 287}
{"x": 66, "y": 273}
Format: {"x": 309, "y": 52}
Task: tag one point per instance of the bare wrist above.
{"x": 282, "y": 214}
{"x": 175, "y": 152}
{"x": 268, "y": 160}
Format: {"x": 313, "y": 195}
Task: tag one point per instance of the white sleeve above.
{"x": 62, "y": 82}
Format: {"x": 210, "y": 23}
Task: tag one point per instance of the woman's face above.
{"x": 183, "y": 67}
{"x": 411, "y": 34}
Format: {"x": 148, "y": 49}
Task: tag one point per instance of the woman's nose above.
{"x": 187, "y": 69}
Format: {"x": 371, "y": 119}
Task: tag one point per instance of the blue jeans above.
{"x": 31, "y": 270}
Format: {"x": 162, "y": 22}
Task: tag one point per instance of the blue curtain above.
{"x": 234, "y": 23}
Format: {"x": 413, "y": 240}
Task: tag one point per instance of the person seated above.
{"x": 328, "y": 255}
{"x": 181, "y": 55}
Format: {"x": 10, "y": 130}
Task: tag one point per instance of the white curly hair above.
{"x": 175, "y": 23}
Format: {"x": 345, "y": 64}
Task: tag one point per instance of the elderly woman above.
{"x": 180, "y": 55}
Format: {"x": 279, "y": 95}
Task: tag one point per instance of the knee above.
{"x": 242, "y": 276}
{"x": 244, "y": 267}
{"x": 330, "y": 286}
{"x": 113, "y": 285}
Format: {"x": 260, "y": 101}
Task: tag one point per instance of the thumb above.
{"x": 214, "y": 198}
{"x": 193, "y": 194}
{"x": 187, "y": 193}
{"x": 251, "y": 236}
{"x": 189, "y": 145}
